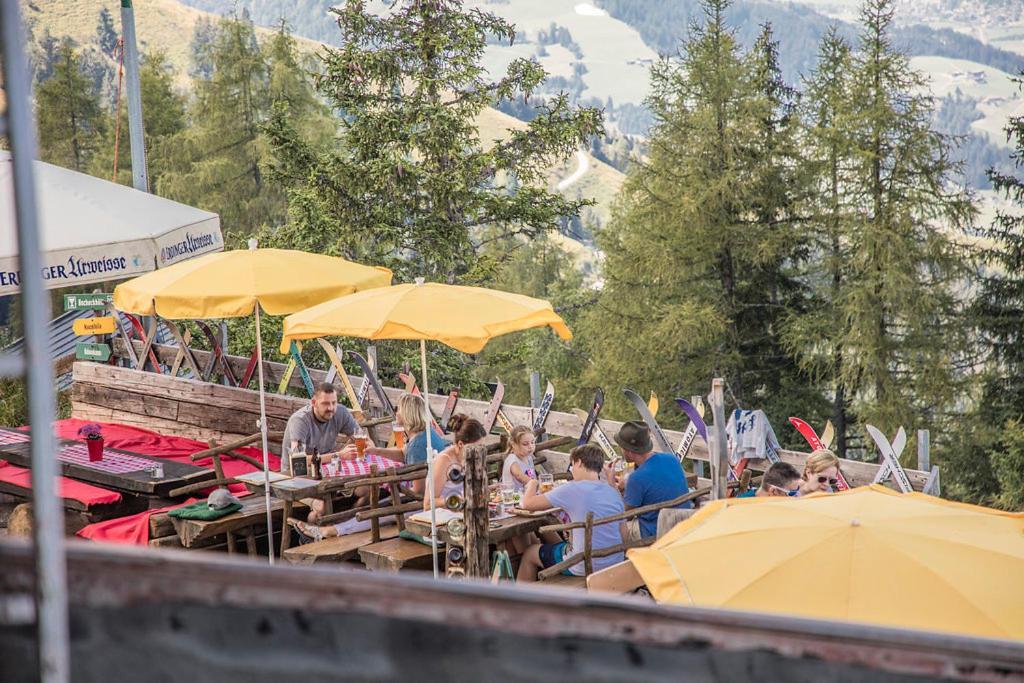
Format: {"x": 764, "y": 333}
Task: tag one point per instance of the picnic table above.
{"x": 294, "y": 489}
{"x": 119, "y": 469}
{"x": 500, "y": 529}
{"x": 253, "y": 514}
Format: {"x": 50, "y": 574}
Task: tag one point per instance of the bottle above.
{"x": 456, "y": 554}
{"x": 315, "y": 464}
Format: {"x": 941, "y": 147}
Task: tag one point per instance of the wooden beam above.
{"x": 476, "y": 513}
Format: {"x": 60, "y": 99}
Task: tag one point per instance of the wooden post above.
{"x": 588, "y": 545}
{"x": 374, "y": 496}
{"x": 717, "y": 449}
{"x": 477, "y": 521}
{"x": 396, "y": 499}
{"x": 698, "y": 465}
{"x": 931, "y": 487}
{"x": 924, "y": 458}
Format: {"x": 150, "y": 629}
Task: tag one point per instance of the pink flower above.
{"x": 91, "y": 430}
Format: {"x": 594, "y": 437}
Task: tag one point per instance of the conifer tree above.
{"x": 70, "y": 119}
{"x": 815, "y": 333}
{"x": 409, "y": 183}
{"x": 216, "y": 162}
{"x": 902, "y": 326}
{"x": 988, "y": 464}
{"x": 696, "y": 255}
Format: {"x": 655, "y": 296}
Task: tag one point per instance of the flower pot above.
{"x": 95, "y": 447}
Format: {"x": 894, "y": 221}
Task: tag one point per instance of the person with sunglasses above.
{"x": 821, "y": 472}
{"x": 781, "y": 479}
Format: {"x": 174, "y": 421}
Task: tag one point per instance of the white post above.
{"x": 263, "y": 436}
{"x": 430, "y": 454}
{"x": 140, "y": 174}
{"x": 717, "y": 449}
{"x": 924, "y": 460}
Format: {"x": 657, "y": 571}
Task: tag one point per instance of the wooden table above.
{"x": 506, "y": 528}
{"x": 253, "y": 513}
{"x": 134, "y": 481}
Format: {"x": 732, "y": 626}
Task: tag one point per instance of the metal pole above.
{"x": 48, "y": 518}
{"x": 263, "y": 437}
{"x": 430, "y": 452}
{"x": 719, "y": 458}
{"x": 136, "y": 132}
{"x": 924, "y": 460}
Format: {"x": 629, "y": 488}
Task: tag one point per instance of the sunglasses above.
{"x": 831, "y": 482}
{"x": 785, "y": 492}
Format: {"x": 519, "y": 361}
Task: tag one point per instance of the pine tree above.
{"x": 815, "y": 334}
{"x": 987, "y": 465}
{"x": 903, "y": 331}
{"x": 71, "y": 121}
{"x": 216, "y": 163}
{"x": 410, "y": 184}
{"x": 697, "y": 252}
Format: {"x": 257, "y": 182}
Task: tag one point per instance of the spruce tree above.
{"x": 987, "y": 466}
{"x": 70, "y": 119}
{"x": 815, "y": 333}
{"x": 698, "y": 250}
{"x": 903, "y": 331}
{"x": 410, "y": 184}
{"x": 216, "y": 163}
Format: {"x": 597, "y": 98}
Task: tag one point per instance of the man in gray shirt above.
{"x": 317, "y": 425}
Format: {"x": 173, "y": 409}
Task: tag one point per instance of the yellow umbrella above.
{"x": 228, "y": 284}
{"x": 238, "y": 283}
{"x": 867, "y": 555}
{"x": 465, "y": 318}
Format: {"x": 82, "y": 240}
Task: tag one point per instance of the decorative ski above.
{"x": 591, "y": 421}
{"x": 364, "y": 386}
{"x": 286, "y": 376}
{"x": 449, "y": 408}
{"x": 891, "y": 455}
{"x": 218, "y": 353}
{"x": 598, "y": 434}
{"x": 147, "y": 342}
{"x": 545, "y": 408}
{"x": 339, "y": 369}
{"x": 696, "y": 426}
{"x": 250, "y": 369}
{"x": 495, "y": 405}
{"x": 815, "y": 442}
{"x": 828, "y": 434}
{"x": 179, "y": 357}
{"x": 371, "y": 378}
{"x": 661, "y": 441}
{"x": 653, "y": 404}
{"x": 295, "y": 351}
{"x": 409, "y": 380}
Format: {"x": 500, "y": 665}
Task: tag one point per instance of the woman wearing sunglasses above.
{"x": 821, "y": 472}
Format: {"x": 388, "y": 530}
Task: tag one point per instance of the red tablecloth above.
{"x": 351, "y": 468}
{"x": 130, "y": 530}
{"x": 87, "y": 494}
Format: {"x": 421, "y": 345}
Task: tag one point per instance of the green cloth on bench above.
{"x": 203, "y": 512}
{"x": 410, "y": 536}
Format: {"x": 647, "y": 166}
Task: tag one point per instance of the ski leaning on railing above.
{"x": 374, "y": 383}
{"x": 494, "y": 407}
{"x": 661, "y": 441}
{"x": 339, "y": 370}
{"x": 891, "y": 457}
{"x": 696, "y": 426}
{"x": 815, "y": 442}
{"x": 545, "y": 408}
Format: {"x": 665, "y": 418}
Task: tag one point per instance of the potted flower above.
{"x": 93, "y": 435}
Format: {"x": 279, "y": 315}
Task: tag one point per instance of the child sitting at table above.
{"x": 518, "y": 468}
{"x": 585, "y": 493}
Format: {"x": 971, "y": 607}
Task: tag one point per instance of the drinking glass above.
{"x": 547, "y": 481}
{"x": 360, "y": 439}
{"x": 399, "y": 433}
{"x": 508, "y": 494}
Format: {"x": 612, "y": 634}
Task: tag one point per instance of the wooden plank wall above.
{"x": 207, "y": 400}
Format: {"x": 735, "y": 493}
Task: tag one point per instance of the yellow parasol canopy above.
{"x": 465, "y": 318}
{"x": 868, "y": 555}
{"x": 228, "y": 284}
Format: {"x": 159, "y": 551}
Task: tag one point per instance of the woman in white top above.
{"x": 518, "y": 468}
{"x": 464, "y": 431}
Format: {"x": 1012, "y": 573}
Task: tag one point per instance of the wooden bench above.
{"x": 565, "y": 581}
{"x": 252, "y": 514}
{"x": 397, "y": 553}
{"x": 336, "y": 549}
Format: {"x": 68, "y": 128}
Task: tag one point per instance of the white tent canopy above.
{"x": 93, "y": 230}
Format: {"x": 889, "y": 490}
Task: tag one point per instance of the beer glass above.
{"x": 547, "y": 481}
{"x": 360, "y": 440}
{"x": 399, "y": 433}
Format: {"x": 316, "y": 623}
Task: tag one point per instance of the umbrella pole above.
{"x": 263, "y": 435}
{"x": 430, "y": 454}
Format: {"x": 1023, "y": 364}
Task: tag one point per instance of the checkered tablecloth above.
{"x": 352, "y": 468}
{"x": 118, "y": 463}
{"x": 8, "y": 437}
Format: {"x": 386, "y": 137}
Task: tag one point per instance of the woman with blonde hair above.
{"x": 821, "y": 472}
{"x": 409, "y": 414}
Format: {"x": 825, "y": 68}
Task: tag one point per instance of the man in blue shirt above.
{"x": 658, "y": 477}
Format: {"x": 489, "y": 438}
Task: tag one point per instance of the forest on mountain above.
{"x": 812, "y": 243}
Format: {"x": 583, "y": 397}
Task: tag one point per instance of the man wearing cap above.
{"x": 658, "y": 477}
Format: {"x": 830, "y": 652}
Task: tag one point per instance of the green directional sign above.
{"x": 86, "y": 302}
{"x": 88, "y": 351}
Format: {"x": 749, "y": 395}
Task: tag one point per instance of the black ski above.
{"x": 592, "y": 415}
{"x": 660, "y": 440}
{"x": 371, "y": 376}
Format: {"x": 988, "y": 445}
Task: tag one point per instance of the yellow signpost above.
{"x": 89, "y": 326}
